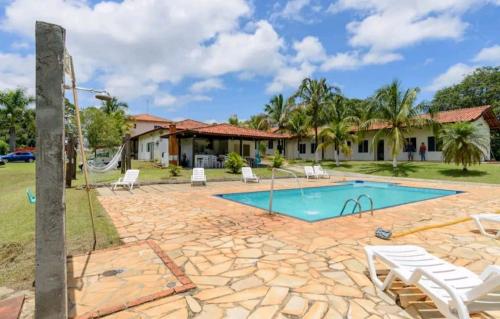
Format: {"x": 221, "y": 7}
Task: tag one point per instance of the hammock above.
{"x": 113, "y": 164}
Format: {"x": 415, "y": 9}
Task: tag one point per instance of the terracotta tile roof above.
{"x": 459, "y": 115}
{"x": 229, "y": 130}
{"x": 189, "y": 124}
{"x": 149, "y": 118}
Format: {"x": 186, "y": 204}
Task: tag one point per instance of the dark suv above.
{"x": 19, "y": 157}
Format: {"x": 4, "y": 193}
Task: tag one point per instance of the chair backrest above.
{"x": 31, "y": 196}
{"x": 308, "y": 170}
{"x": 247, "y": 171}
{"x": 198, "y": 172}
{"x": 131, "y": 175}
{"x": 488, "y": 290}
{"x": 318, "y": 169}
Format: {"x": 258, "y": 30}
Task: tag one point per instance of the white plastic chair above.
{"x": 320, "y": 172}
{"x": 247, "y": 175}
{"x": 128, "y": 180}
{"x": 456, "y": 291}
{"x": 495, "y": 218}
{"x": 309, "y": 171}
{"x": 198, "y": 176}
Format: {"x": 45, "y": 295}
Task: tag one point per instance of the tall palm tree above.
{"x": 397, "y": 115}
{"x": 258, "y": 122}
{"x": 13, "y": 105}
{"x": 113, "y": 105}
{"x": 463, "y": 144}
{"x": 314, "y": 95}
{"x": 298, "y": 125}
{"x": 340, "y": 127}
{"x": 278, "y": 110}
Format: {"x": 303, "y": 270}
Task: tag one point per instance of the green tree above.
{"x": 397, "y": 114}
{"x": 278, "y": 110}
{"x": 103, "y": 130}
{"x": 315, "y": 95}
{"x": 258, "y": 122}
{"x": 233, "y": 120}
{"x": 339, "y": 130}
{"x": 13, "y": 105}
{"x": 113, "y": 105}
{"x": 298, "y": 124}
{"x": 463, "y": 144}
{"x": 4, "y": 147}
{"x": 234, "y": 162}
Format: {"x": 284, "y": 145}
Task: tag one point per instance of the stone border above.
{"x": 187, "y": 284}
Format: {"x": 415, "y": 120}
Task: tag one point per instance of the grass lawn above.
{"x": 484, "y": 173}
{"x": 17, "y": 225}
{"x": 151, "y": 173}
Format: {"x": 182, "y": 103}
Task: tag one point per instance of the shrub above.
{"x": 4, "y": 147}
{"x": 278, "y": 160}
{"x": 174, "y": 170}
{"x": 234, "y": 162}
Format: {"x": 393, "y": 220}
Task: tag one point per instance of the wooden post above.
{"x": 173, "y": 148}
{"x": 128, "y": 151}
{"x": 73, "y": 150}
{"x": 51, "y": 300}
{"x": 123, "y": 165}
{"x": 70, "y": 163}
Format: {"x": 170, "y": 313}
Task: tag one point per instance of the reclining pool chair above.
{"x": 247, "y": 175}
{"x": 456, "y": 291}
{"x": 486, "y": 218}
{"x": 320, "y": 172}
{"x": 309, "y": 171}
{"x": 128, "y": 180}
{"x": 198, "y": 176}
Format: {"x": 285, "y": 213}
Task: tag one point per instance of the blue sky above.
{"x": 209, "y": 59}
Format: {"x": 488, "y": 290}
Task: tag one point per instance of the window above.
{"x": 158, "y": 126}
{"x": 411, "y": 144}
{"x": 246, "y": 150}
{"x": 363, "y": 146}
{"x": 135, "y": 125}
{"x": 433, "y": 145}
{"x": 302, "y": 148}
{"x": 270, "y": 144}
{"x": 148, "y": 146}
{"x": 313, "y": 148}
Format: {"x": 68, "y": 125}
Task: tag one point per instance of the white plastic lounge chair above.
{"x": 455, "y": 291}
{"x": 486, "y": 218}
{"x": 128, "y": 180}
{"x": 320, "y": 172}
{"x": 198, "y": 176}
{"x": 309, "y": 171}
{"x": 248, "y": 176}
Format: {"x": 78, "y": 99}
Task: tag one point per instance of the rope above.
{"x": 113, "y": 164}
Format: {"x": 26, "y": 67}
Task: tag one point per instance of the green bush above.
{"x": 4, "y": 147}
{"x": 174, "y": 170}
{"x": 278, "y": 160}
{"x": 234, "y": 162}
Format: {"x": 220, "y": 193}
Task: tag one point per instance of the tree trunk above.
{"x": 12, "y": 139}
{"x": 337, "y": 155}
{"x": 394, "y": 162}
{"x": 298, "y": 147}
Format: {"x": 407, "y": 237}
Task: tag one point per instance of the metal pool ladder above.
{"x": 357, "y": 204}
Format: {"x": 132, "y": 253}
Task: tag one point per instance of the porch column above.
{"x": 193, "y": 140}
{"x": 241, "y": 147}
{"x": 173, "y": 154}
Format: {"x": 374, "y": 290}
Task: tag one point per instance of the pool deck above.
{"x": 246, "y": 263}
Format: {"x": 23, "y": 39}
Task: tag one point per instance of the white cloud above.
{"x": 385, "y": 26}
{"x": 17, "y": 71}
{"x": 489, "y": 55}
{"x": 453, "y": 75}
{"x": 342, "y": 61}
{"x": 132, "y": 47}
{"x": 293, "y": 8}
{"x": 164, "y": 99}
{"x": 290, "y": 77}
{"x": 172, "y": 102}
{"x": 206, "y": 85}
{"x": 309, "y": 49}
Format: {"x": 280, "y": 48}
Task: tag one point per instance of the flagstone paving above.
{"x": 248, "y": 264}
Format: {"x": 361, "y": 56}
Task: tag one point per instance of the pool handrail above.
{"x": 356, "y": 204}
{"x": 369, "y": 198}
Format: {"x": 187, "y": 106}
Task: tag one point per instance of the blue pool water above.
{"x": 319, "y": 203}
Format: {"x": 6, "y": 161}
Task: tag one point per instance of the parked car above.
{"x": 19, "y": 157}
{"x": 2, "y": 162}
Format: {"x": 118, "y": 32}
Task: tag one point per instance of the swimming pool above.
{"x": 317, "y": 203}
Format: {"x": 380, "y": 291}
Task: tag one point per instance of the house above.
{"x": 149, "y": 146}
{"x": 141, "y": 123}
{"x": 363, "y": 150}
{"x": 208, "y": 145}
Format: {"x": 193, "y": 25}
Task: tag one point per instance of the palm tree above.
{"x": 113, "y": 105}
{"x": 397, "y": 115}
{"x": 314, "y": 95}
{"x": 14, "y": 104}
{"x": 340, "y": 128}
{"x": 278, "y": 110}
{"x": 258, "y": 122}
{"x": 298, "y": 125}
{"x": 463, "y": 144}
{"x": 233, "y": 120}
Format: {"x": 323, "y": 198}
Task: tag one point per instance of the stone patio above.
{"x": 248, "y": 264}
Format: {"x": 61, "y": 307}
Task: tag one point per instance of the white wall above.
{"x": 141, "y": 127}
{"x": 160, "y": 146}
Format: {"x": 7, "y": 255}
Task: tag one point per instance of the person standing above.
{"x": 422, "y": 151}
